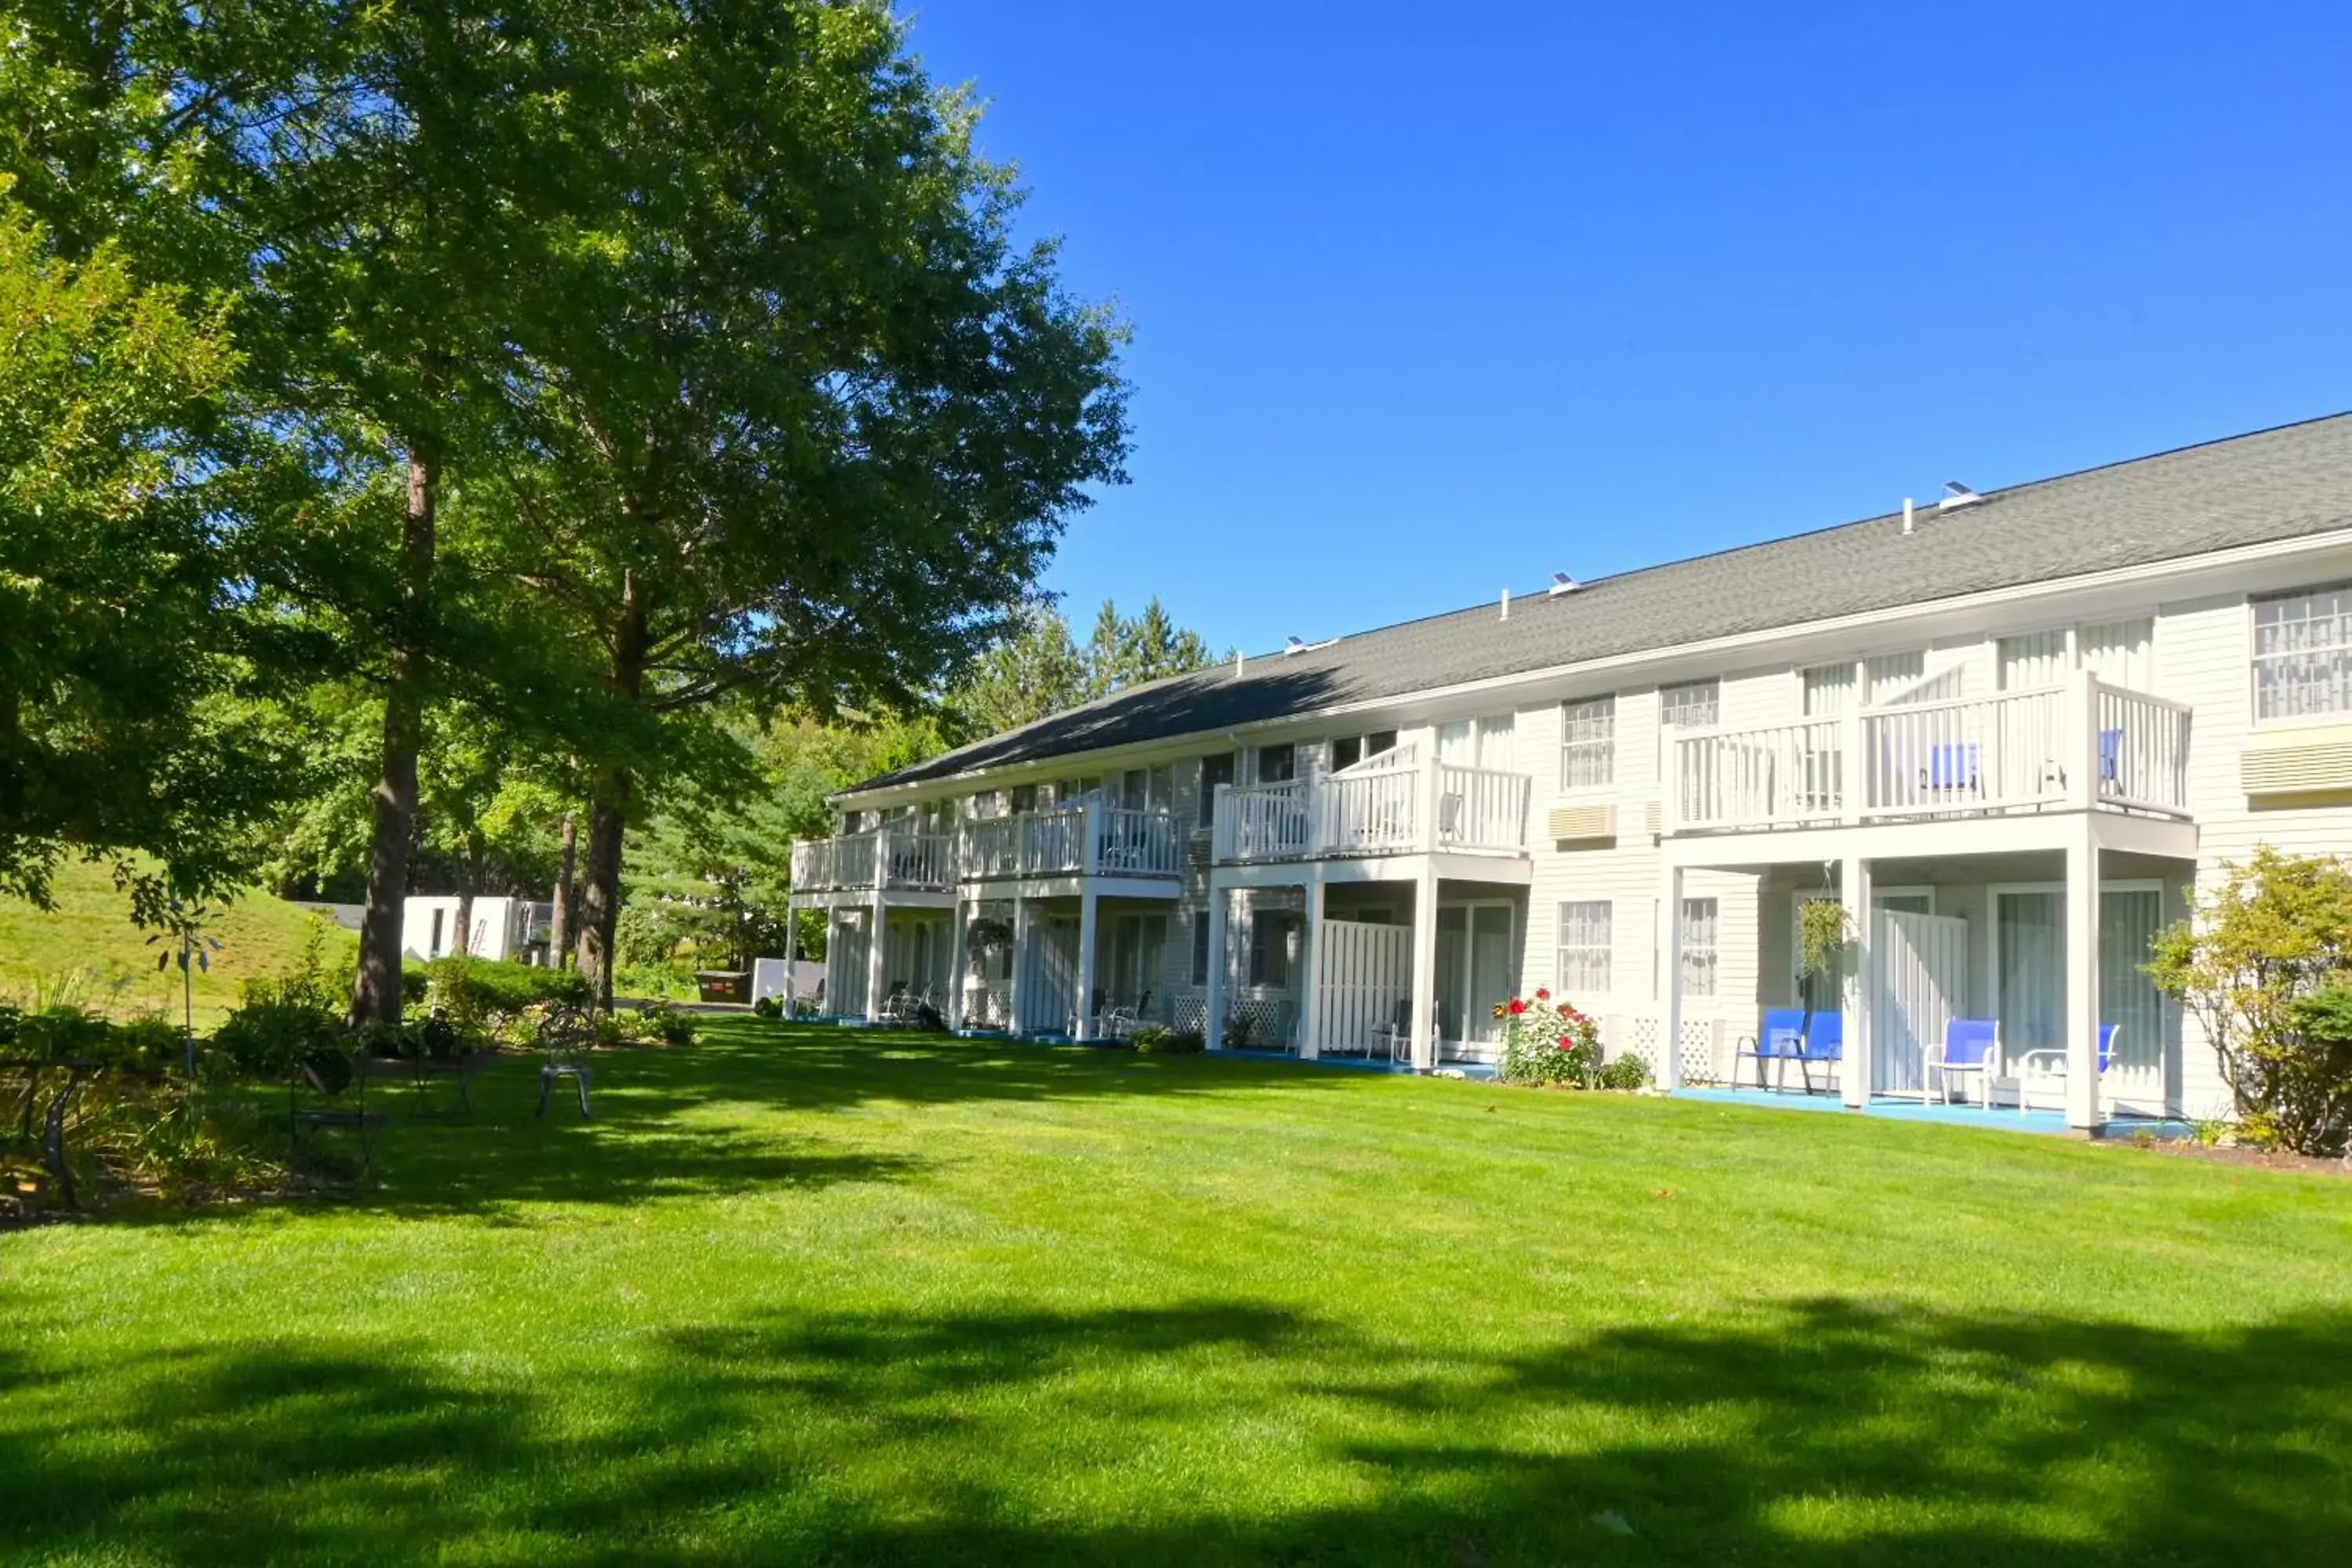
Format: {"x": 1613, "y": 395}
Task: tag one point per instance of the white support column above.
{"x": 791, "y": 954}
{"x": 2085, "y": 1107}
{"x": 959, "y": 963}
{"x": 877, "y": 953}
{"x": 1020, "y": 962}
{"x": 1089, "y": 923}
{"x": 1670, "y": 978}
{"x": 1212, "y": 1015}
{"x": 1853, "y": 1069}
{"x": 2082, "y": 720}
{"x": 1310, "y": 970}
{"x": 1853, "y": 766}
{"x": 1425, "y": 961}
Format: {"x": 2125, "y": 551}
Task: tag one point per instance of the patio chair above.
{"x": 565, "y": 1036}
{"x": 1120, "y": 1022}
{"x": 2110, "y": 761}
{"x": 1969, "y": 1047}
{"x": 327, "y": 1074}
{"x": 1951, "y": 769}
{"x": 1783, "y": 1038}
{"x": 2048, "y": 1069}
{"x": 1394, "y": 1037}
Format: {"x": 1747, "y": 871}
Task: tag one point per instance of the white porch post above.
{"x": 1670, "y": 978}
{"x": 958, "y": 964}
{"x": 1425, "y": 963}
{"x": 1017, "y": 1024}
{"x": 1089, "y": 922}
{"x": 877, "y": 955}
{"x": 1854, "y": 1064}
{"x": 791, "y": 954}
{"x": 1213, "y": 1016}
{"x": 1310, "y": 971}
{"x": 2085, "y": 1105}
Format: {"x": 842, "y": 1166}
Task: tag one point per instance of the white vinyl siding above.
{"x": 1582, "y": 968}
{"x": 1588, "y": 750}
{"x": 2033, "y": 661}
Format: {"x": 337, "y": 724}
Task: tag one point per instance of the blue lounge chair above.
{"x": 2048, "y": 1069}
{"x": 2111, "y": 760}
{"x": 1951, "y": 766}
{"x": 1970, "y": 1045}
{"x": 1783, "y": 1039}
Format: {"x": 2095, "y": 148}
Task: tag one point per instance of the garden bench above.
{"x": 75, "y": 1070}
{"x": 328, "y": 1074}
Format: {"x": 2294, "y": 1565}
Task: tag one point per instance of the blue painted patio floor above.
{"x": 2001, "y": 1118}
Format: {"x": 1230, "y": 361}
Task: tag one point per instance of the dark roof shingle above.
{"x": 2247, "y": 489}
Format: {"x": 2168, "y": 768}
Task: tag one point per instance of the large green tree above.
{"x": 1037, "y": 670}
{"x": 828, "y": 416}
{"x": 122, "y": 479}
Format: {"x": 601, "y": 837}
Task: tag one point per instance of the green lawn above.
{"x": 808, "y": 1297}
{"x": 90, "y": 935}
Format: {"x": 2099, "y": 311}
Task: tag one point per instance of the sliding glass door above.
{"x": 1476, "y": 949}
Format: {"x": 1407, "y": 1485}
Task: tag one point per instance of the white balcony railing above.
{"x": 895, "y": 856}
{"x": 2084, "y": 745}
{"x": 1088, "y": 839}
{"x": 1382, "y": 807}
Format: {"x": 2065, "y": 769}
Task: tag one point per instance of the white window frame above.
{"x": 1586, "y": 952}
{"x": 1710, "y": 690}
{"x": 1600, "y": 744}
{"x": 2341, "y": 647}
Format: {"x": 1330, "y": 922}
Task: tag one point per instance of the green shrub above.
{"x": 1625, "y": 1074}
{"x": 768, "y": 1007}
{"x": 267, "y": 1034}
{"x": 659, "y": 1021}
{"x": 473, "y": 989}
{"x": 1157, "y": 1040}
{"x": 2265, "y": 965}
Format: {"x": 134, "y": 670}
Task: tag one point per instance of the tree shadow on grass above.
{"x": 1223, "y": 1431}
{"x": 661, "y": 1127}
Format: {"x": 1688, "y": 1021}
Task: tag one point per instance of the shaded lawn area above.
{"x": 803, "y": 1296}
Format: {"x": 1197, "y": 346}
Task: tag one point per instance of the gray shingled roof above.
{"x": 2246, "y": 490}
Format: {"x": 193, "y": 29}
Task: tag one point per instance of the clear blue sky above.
{"x": 1431, "y": 299}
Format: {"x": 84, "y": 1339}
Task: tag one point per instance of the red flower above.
{"x": 1566, "y": 1044}
{"x": 1518, "y": 1006}
{"x": 1542, "y": 995}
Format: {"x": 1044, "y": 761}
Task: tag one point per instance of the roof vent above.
{"x": 1296, "y": 645}
{"x": 1956, "y": 494}
{"x": 1561, "y": 582}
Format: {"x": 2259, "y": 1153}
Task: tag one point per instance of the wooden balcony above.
{"x": 2085, "y": 745}
{"x": 1392, "y": 804}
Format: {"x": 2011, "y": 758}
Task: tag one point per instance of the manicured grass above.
{"x": 810, "y": 1296}
{"x": 90, "y": 932}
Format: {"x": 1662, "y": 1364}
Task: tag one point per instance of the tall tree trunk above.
{"x": 559, "y": 935}
{"x": 608, "y": 808}
{"x": 375, "y": 995}
{"x": 599, "y": 890}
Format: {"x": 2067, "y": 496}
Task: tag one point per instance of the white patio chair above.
{"x": 2048, "y": 1069}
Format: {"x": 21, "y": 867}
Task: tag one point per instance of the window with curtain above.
{"x": 1699, "y": 964}
{"x": 1583, "y": 968}
{"x": 1588, "y": 748}
{"x": 1828, "y": 686}
{"x": 1277, "y": 764}
{"x": 2303, "y": 653}
{"x": 1693, "y": 705}
{"x": 2128, "y": 921}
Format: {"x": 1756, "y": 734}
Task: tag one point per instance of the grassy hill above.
{"x": 88, "y": 948}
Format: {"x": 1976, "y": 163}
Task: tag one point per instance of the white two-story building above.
{"x": 2007, "y": 732}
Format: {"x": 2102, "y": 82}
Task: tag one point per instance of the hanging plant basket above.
{"x": 986, "y": 938}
